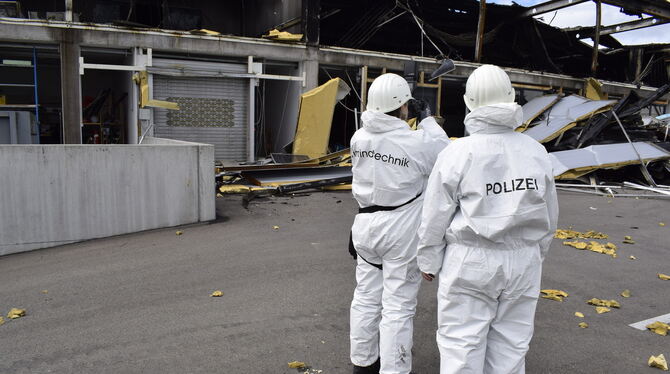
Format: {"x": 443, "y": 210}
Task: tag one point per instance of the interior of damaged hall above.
{"x": 277, "y": 87}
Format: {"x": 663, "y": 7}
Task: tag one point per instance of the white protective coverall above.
{"x": 491, "y": 200}
{"x": 390, "y": 165}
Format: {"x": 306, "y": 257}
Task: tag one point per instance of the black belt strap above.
{"x": 379, "y": 208}
{"x": 373, "y": 209}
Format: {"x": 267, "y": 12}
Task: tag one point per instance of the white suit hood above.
{"x": 494, "y": 119}
{"x": 376, "y": 122}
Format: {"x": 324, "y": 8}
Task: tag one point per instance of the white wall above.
{"x": 57, "y": 194}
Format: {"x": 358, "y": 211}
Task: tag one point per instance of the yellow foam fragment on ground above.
{"x": 602, "y": 309}
{"x": 633, "y": 258}
{"x": 178, "y": 233}
{"x": 217, "y": 294}
{"x": 16, "y": 313}
{"x": 2, "y": 320}
{"x": 602, "y": 302}
{"x": 556, "y": 295}
{"x": 583, "y": 325}
{"x": 579, "y": 314}
{"x": 275, "y": 228}
{"x": 593, "y": 246}
{"x": 625, "y": 293}
{"x": 661, "y": 224}
{"x": 664, "y": 277}
{"x": 576, "y": 243}
{"x": 571, "y": 234}
{"x": 658, "y": 362}
{"x": 296, "y": 365}
{"x": 659, "y": 328}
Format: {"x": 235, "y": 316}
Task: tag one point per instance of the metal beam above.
{"x": 480, "y": 30}
{"x": 596, "y": 39}
{"x": 550, "y": 6}
{"x": 589, "y": 32}
{"x": 642, "y": 6}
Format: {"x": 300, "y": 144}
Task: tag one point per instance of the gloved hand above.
{"x": 419, "y": 108}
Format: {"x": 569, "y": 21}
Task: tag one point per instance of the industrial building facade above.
{"x": 112, "y": 71}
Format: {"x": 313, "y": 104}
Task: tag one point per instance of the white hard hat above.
{"x": 488, "y": 85}
{"x": 387, "y": 93}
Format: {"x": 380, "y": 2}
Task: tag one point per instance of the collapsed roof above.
{"x": 512, "y": 36}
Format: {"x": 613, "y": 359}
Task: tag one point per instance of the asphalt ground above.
{"x": 141, "y": 303}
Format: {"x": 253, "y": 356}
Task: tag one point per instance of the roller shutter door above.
{"x": 213, "y": 110}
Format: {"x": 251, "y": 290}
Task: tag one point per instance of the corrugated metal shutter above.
{"x": 213, "y": 110}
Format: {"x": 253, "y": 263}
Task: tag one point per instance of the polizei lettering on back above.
{"x": 507, "y": 186}
{"x": 388, "y": 158}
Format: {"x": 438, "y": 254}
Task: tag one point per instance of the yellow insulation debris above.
{"x": 572, "y": 234}
{"x": 658, "y": 362}
{"x": 607, "y": 303}
{"x": 556, "y": 295}
{"x": 659, "y": 328}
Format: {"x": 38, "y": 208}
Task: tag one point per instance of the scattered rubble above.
{"x": 556, "y": 295}
{"x": 571, "y": 234}
{"x": 15, "y": 313}
{"x": 602, "y": 309}
{"x": 593, "y": 246}
{"x": 659, "y": 328}
{"x": 628, "y": 240}
{"x": 297, "y": 365}
{"x": 601, "y": 302}
{"x": 658, "y": 362}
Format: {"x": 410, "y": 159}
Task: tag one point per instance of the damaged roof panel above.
{"x": 576, "y": 162}
{"x": 564, "y": 115}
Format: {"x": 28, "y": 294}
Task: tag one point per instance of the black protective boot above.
{"x": 372, "y": 369}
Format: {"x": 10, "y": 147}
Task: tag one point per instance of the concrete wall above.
{"x": 57, "y": 194}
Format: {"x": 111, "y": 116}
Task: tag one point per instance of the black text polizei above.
{"x": 511, "y": 185}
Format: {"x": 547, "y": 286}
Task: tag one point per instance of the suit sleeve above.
{"x": 439, "y": 207}
{"x": 551, "y": 199}
{"x": 433, "y": 141}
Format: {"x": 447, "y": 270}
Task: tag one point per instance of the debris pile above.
{"x": 603, "y": 141}
{"x": 593, "y": 246}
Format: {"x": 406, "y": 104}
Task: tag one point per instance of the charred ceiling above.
{"x": 510, "y": 37}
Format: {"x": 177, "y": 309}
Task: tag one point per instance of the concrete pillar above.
{"x": 132, "y": 114}
{"x": 70, "y": 92}
{"x": 310, "y": 66}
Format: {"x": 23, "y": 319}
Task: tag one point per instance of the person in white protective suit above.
{"x": 491, "y": 200}
{"x": 390, "y": 166}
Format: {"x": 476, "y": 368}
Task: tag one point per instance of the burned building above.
{"x": 113, "y": 71}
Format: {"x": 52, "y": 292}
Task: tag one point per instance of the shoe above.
{"x": 372, "y": 369}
